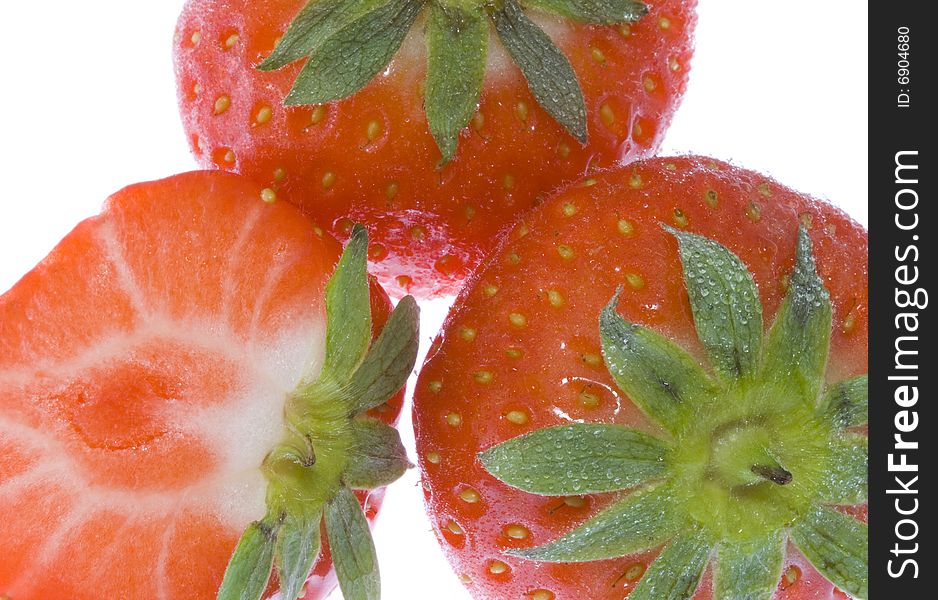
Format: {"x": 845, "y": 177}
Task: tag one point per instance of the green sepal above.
{"x": 354, "y": 54}
{"x": 250, "y": 566}
{"x": 353, "y": 550}
{"x": 348, "y": 311}
{"x": 639, "y": 521}
{"x": 846, "y": 404}
{"x": 602, "y": 12}
{"x": 297, "y": 548}
{"x": 846, "y": 480}
{"x": 318, "y": 21}
{"x": 390, "y": 361}
{"x": 549, "y": 74}
{"x": 725, "y": 303}
{"x": 376, "y": 457}
{"x": 457, "y": 47}
{"x": 799, "y": 340}
{"x": 749, "y": 570}
{"x": 836, "y": 545}
{"x": 660, "y": 377}
{"x": 676, "y": 573}
{"x": 579, "y": 458}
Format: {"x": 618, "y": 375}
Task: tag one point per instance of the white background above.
{"x": 88, "y": 106}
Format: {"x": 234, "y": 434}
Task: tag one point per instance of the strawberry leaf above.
{"x": 376, "y": 458}
{"x": 457, "y": 46}
{"x": 845, "y": 481}
{"x": 603, "y": 12}
{"x": 353, "y": 550}
{"x": 846, "y": 403}
{"x": 725, "y": 303}
{"x": 348, "y": 42}
{"x": 354, "y": 54}
{"x": 549, "y": 74}
{"x": 348, "y": 308}
{"x": 639, "y": 521}
{"x": 799, "y": 340}
{"x": 836, "y": 545}
{"x": 297, "y": 549}
{"x": 318, "y": 21}
{"x": 660, "y": 377}
{"x": 390, "y": 361}
{"x": 750, "y": 569}
{"x": 579, "y": 458}
{"x": 676, "y": 573}
{"x": 250, "y": 566}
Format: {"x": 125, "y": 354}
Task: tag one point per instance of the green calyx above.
{"x": 348, "y": 42}
{"x": 755, "y": 452}
{"x": 330, "y": 448}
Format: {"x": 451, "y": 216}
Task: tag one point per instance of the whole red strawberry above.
{"x": 432, "y": 123}
{"x": 656, "y": 388}
{"x": 193, "y": 366}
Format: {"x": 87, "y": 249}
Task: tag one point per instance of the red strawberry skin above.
{"x": 520, "y": 351}
{"x": 145, "y": 362}
{"x": 371, "y": 159}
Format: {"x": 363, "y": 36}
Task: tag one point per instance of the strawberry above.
{"x": 190, "y": 367}
{"x": 438, "y": 148}
{"x": 655, "y": 387}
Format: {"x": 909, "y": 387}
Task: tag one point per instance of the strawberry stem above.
{"x": 773, "y": 473}
{"x": 742, "y": 456}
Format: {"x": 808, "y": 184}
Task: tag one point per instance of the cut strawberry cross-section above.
{"x": 193, "y": 365}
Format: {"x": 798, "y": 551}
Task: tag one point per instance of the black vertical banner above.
{"x": 903, "y": 56}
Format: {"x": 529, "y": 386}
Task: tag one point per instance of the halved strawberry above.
{"x": 485, "y": 107}
{"x": 656, "y": 388}
{"x": 191, "y": 364}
